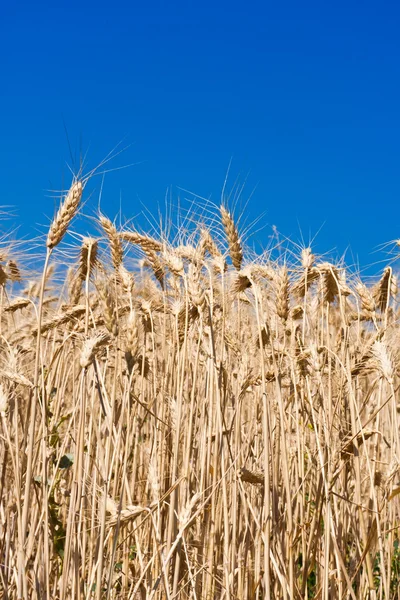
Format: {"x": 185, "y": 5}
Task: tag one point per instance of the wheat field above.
{"x": 185, "y": 419}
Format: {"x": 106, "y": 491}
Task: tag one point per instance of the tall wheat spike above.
{"x": 65, "y": 214}
{"x": 87, "y": 262}
{"x": 232, "y": 234}
{"x": 146, "y": 242}
{"x": 115, "y": 242}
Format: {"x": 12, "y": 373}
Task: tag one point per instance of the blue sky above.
{"x": 303, "y": 98}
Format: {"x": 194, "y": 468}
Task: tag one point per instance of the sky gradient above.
{"x": 301, "y": 98}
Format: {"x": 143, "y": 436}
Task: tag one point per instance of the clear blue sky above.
{"x": 303, "y": 96}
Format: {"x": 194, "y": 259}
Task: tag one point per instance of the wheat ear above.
{"x": 146, "y": 242}
{"x": 115, "y": 242}
{"x": 91, "y": 347}
{"x": 87, "y": 263}
{"x": 232, "y": 234}
{"x": 282, "y": 294}
{"x": 13, "y": 271}
{"x": 65, "y": 214}
{"x": 207, "y": 244}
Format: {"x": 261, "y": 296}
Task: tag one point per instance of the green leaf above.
{"x": 66, "y": 461}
